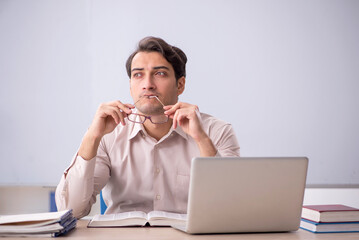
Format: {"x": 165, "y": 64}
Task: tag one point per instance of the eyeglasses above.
{"x": 155, "y": 119}
{"x": 139, "y": 118}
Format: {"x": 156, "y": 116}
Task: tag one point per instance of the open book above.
{"x": 137, "y": 218}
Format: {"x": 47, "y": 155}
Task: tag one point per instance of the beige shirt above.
{"x": 137, "y": 172}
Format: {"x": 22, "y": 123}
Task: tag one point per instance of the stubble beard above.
{"x": 150, "y": 109}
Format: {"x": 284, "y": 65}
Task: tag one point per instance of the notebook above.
{"x": 233, "y": 195}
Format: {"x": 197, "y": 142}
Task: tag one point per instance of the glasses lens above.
{"x": 133, "y": 117}
{"x": 157, "y": 119}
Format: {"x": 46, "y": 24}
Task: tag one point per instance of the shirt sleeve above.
{"x": 81, "y": 182}
{"x": 226, "y": 142}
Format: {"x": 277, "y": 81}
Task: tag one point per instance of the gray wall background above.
{"x": 284, "y": 73}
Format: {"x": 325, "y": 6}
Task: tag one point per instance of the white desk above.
{"x": 159, "y": 233}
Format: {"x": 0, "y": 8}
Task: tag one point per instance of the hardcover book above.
{"x": 330, "y": 213}
{"x": 329, "y": 227}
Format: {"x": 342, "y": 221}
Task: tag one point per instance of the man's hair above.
{"x": 175, "y": 56}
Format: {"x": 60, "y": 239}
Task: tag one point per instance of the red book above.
{"x": 330, "y": 213}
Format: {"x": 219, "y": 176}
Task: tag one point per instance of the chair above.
{"x": 103, "y": 206}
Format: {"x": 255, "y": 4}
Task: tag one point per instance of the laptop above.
{"x": 239, "y": 194}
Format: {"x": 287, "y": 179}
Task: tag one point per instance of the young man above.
{"x": 140, "y": 154}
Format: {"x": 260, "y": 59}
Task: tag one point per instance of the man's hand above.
{"x": 188, "y": 117}
{"x": 107, "y": 117}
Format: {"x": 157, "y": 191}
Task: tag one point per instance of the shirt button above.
{"x": 158, "y": 170}
{"x": 158, "y": 197}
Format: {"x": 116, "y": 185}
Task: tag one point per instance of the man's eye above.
{"x": 137, "y": 75}
{"x": 161, "y": 73}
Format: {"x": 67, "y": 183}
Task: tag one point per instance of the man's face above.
{"x": 152, "y": 75}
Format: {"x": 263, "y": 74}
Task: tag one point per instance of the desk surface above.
{"x": 158, "y": 233}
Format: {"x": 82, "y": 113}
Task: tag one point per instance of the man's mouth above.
{"x": 150, "y": 96}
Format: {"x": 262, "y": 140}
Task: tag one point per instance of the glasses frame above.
{"x": 145, "y": 118}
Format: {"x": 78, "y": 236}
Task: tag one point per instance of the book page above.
{"x": 34, "y": 217}
{"x": 166, "y": 215}
{"x": 120, "y": 216}
{"x": 20, "y": 229}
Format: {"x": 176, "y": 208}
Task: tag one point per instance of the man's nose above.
{"x": 148, "y": 82}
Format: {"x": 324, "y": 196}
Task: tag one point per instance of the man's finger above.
{"x": 172, "y": 109}
{"x": 129, "y": 105}
{"x": 167, "y": 107}
{"x": 123, "y": 107}
{"x": 174, "y": 123}
{"x": 110, "y": 111}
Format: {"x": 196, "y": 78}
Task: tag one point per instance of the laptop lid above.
{"x": 246, "y": 194}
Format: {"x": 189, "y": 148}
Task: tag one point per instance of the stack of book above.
{"x": 51, "y": 224}
{"x": 330, "y": 218}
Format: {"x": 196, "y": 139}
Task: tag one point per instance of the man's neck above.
{"x": 157, "y": 131}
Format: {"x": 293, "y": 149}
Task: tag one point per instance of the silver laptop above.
{"x": 229, "y": 195}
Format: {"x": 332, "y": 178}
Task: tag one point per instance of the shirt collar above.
{"x": 137, "y": 128}
{"x": 180, "y": 131}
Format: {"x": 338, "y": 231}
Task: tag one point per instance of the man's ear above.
{"x": 181, "y": 85}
